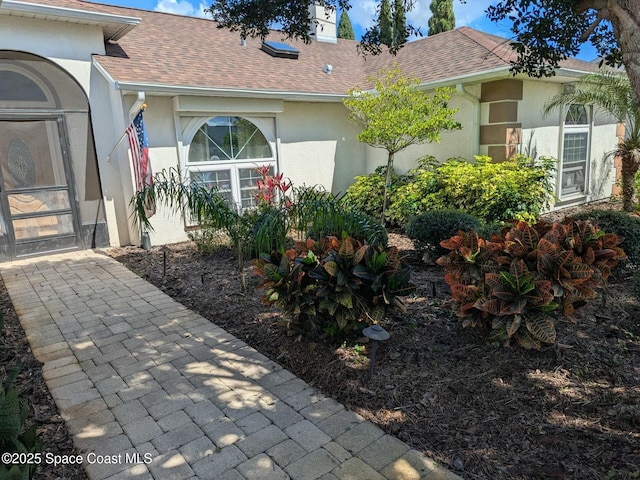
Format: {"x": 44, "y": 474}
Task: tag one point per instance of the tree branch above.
{"x": 584, "y": 5}
{"x": 587, "y": 33}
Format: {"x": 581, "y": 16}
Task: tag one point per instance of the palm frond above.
{"x": 607, "y": 90}
{"x": 201, "y": 202}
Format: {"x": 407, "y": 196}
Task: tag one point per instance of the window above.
{"x": 575, "y": 152}
{"x": 15, "y": 87}
{"x": 225, "y": 153}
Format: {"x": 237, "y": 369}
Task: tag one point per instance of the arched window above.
{"x": 225, "y": 153}
{"x": 575, "y": 152}
{"x": 50, "y": 195}
{"x": 16, "y": 87}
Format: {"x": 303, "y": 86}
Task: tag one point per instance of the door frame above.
{"x": 5, "y": 212}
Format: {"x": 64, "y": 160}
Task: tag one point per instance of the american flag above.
{"x": 139, "y": 146}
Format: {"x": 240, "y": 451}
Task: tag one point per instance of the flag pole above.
{"x": 124, "y": 134}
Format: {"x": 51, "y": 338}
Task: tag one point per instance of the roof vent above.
{"x": 280, "y": 50}
{"x": 328, "y": 68}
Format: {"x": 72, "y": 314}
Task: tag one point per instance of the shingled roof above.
{"x": 178, "y": 51}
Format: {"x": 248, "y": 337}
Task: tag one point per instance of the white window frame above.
{"x": 234, "y": 166}
{"x": 568, "y": 129}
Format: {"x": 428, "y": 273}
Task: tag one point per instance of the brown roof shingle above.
{"x": 174, "y": 50}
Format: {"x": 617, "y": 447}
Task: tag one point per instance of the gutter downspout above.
{"x": 475, "y": 101}
{"x": 135, "y": 108}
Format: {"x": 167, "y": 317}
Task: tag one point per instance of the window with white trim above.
{"x": 225, "y": 153}
{"x": 575, "y": 152}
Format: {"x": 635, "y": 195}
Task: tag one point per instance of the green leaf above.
{"x": 284, "y": 266}
{"x": 513, "y": 325}
{"x": 360, "y": 253}
{"x": 542, "y": 328}
{"x": 377, "y": 313}
{"x": 527, "y": 341}
{"x": 331, "y": 268}
{"x": 272, "y": 271}
{"x": 345, "y": 299}
{"x": 346, "y": 248}
{"x": 489, "y": 305}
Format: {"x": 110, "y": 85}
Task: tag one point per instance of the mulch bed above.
{"x": 570, "y": 411}
{"x": 32, "y": 390}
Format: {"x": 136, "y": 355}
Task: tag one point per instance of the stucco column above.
{"x": 502, "y": 134}
{"x": 616, "y": 189}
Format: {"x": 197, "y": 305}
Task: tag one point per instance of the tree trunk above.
{"x": 625, "y": 18}
{"x": 387, "y": 187}
{"x": 628, "y": 173}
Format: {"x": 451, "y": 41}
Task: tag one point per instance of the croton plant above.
{"x": 513, "y": 286}
{"x": 333, "y": 285}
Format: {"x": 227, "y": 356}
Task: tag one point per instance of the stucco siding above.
{"x": 68, "y": 45}
{"x": 318, "y": 145}
{"x": 542, "y": 135}
{"x": 459, "y": 143}
{"x": 602, "y": 172}
{"x": 108, "y": 124}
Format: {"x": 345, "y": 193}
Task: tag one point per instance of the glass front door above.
{"x": 38, "y": 206}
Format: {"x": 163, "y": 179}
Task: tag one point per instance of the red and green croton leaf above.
{"x": 508, "y": 287}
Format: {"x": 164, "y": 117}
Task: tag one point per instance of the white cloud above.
{"x": 182, "y": 7}
{"x": 363, "y": 13}
{"x": 470, "y": 12}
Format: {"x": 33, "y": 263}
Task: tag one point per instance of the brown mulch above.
{"x": 570, "y": 411}
{"x": 33, "y": 391}
{"x": 487, "y": 412}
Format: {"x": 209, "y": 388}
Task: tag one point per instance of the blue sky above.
{"x": 362, "y": 14}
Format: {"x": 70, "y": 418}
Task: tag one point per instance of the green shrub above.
{"x": 487, "y": 230}
{"x": 508, "y": 287}
{"x": 265, "y": 229}
{"x": 319, "y": 214}
{"x": 15, "y": 437}
{"x": 517, "y": 189}
{"x": 366, "y": 194}
{"x": 209, "y": 240}
{"x": 428, "y": 229}
{"x": 420, "y": 193}
{"x": 333, "y": 286}
{"x": 620, "y": 223}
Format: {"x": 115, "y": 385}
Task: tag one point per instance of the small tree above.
{"x": 442, "y": 17}
{"x": 385, "y": 21}
{"x": 345, "y": 29}
{"x": 399, "y": 23}
{"x": 396, "y": 114}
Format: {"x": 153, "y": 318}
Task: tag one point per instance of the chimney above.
{"x": 322, "y": 24}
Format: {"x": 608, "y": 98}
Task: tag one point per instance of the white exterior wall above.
{"x": 543, "y": 136}
{"x": 602, "y": 171}
{"x": 116, "y": 170}
{"x": 108, "y": 125}
{"x": 68, "y": 45}
{"x": 318, "y": 145}
{"x": 459, "y": 143}
{"x": 314, "y": 144}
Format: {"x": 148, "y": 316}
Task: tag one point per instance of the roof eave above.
{"x": 497, "y": 74}
{"x": 492, "y": 74}
{"x": 173, "y": 90}
{"x": 114, "y": 26}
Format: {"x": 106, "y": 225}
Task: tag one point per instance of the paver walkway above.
{"x": 152, "y": 390}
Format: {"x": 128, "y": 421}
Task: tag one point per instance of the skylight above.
{"x": 279, "y": 49}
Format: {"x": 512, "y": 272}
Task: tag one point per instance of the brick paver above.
{"x": 141, "y": 379}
